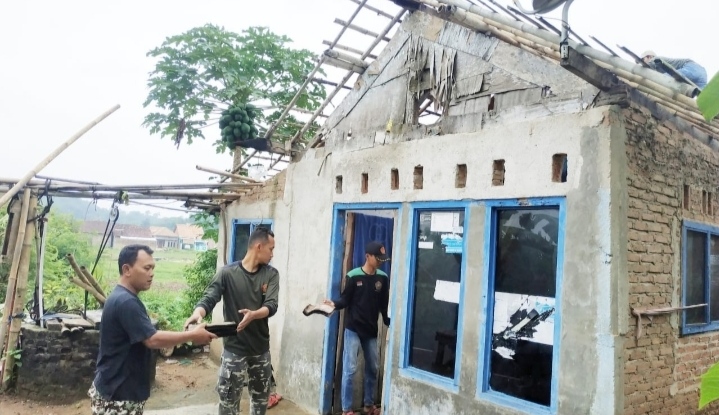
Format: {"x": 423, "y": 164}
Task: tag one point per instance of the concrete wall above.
{"x": 662, "y": 369}
{"x": 303, "y": 219}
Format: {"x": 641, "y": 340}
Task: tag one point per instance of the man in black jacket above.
{"x": 365, "y": 296}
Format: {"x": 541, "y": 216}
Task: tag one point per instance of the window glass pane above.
{"x": 695, "y": 283}
{"x": 525, "y": 280}
{"x": 242, "y": 235}
{"x": 714, "y": 267}
{"x": 433, "y": 337}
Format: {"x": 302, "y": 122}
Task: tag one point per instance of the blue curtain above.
{"x": 369, "y": 228}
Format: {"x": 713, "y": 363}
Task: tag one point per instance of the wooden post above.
{"x": 20, "y": 290}
{"x": 10, "y": 240}
{"x": 12, "y": 276}
{"x": 19, "y": 185}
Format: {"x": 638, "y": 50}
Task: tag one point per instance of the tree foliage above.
{"x": 203, "y": 71}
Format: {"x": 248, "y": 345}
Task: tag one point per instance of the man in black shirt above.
{"x": 122, "y": 376}
{"x": 365, "y": 296}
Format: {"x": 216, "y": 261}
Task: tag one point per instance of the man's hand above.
{"x": 201, "y": 336}
{"x": 329, "y": 303}
{"x": 194, "y": 319}
{"x": 249, "y": 316}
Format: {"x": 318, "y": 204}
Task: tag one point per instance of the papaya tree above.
{"x": 708, "y": 100}
{"x": 208, "y": 76}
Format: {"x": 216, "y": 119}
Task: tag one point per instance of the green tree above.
{"x": 708, "y": 100}
{"x": 205, "y": 70}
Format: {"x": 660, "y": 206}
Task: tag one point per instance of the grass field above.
{"x": 169, "y": 267}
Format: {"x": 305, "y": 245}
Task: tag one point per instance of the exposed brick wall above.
{"x": 662, "y": 369}
{"x": 272, "y": 189}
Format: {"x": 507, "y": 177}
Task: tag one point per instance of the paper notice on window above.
{"x": 425, "y": 245}
{"x": 444, "y": 221}
{"x": 447, "y": 291}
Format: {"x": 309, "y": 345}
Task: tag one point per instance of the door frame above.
{"x": 329, "y": 350}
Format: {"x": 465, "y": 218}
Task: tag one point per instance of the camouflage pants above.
{"x": 233, "y": 371}
{"x": 101, "y": 406}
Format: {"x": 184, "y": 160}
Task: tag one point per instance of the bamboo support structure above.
{"x": 374, "y": 9}
{"x": 228, "y": 174}
{"x": 337, "y": 63}
{"x": 348, "y": 49}
{"x": 93, "y": 282}
{"x": 12, "y": 276}
{"x": 11, "y": 231}
{"x": 344, "y": 80}
{"x": 19, "y": 296}
{"x": 300, "y": 91}
{"x": 143, "y": 187}
{"x": 7, "y": 196}
{"x": 361, "y": 30}
{"x": 347, "y": 58}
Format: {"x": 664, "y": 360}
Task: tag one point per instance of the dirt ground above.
{"x": 180, "y": 381}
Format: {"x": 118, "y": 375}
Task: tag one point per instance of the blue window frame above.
{"x": 700, "y": 277}
{"x": 433, "y": 324}
{"x": 520, "y": 336}
{"x": 241, "y": 230}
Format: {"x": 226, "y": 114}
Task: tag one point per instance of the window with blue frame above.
{"x": 436, "y": 275}
{"x": 700, "y": 277}
{"x": 522, "y": 292}
{"x": 241, "y": 230}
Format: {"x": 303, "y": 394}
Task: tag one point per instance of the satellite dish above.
{"x": 540, "y": 6}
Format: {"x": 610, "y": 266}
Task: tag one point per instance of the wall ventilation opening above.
{"x": 460, "y": 180}
{"x": 338, "y": 184}
{"x": 365, "y": 182}
{"x": 559, "y": 168}
{"x": 498, "y": 173}
{"x": 394, "y": 179}
{"x": 686, "y": 199}
{"x": 490, "y": 107}
{"x": 418, "y": 177}
{"x": 710, "y": 208}
{"x": 705, "y": 202}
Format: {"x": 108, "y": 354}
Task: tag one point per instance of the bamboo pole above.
{"x": 148, "y": 196}
{"x": 11, "y": 231}
{"x": 19, "y": 295}
{"x": 344, "y": 80}
{"x": 142, "y": 187}
{"x": 91, "y": 279}
{"x": 7, "y": 196}
{"x": 348, "y": 49}
{"x": 101, "y": 299}
{"x": 361, "y": 30}
{"x": 227, "y": 174}
{"x": 15, "y": 265}
{"x": 75, "y": 267}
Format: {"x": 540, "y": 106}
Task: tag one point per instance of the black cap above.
{"x": 377, "y": 249}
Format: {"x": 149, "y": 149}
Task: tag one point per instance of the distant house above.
{"x": 120, "y": 236}
{"x": 190, "y": 237}
{"x": 165, "y": 238}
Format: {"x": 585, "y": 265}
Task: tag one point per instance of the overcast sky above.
{"x": 65, "y": 62}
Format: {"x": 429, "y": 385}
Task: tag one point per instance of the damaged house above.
{"x": 553, "y": 227}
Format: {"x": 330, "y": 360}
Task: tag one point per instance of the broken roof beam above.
{"x": 347, "y": 48}
{"x": 344, "y": 61}
{"x": 362, "y": 30}
{"x": 374, "y": 9}
{"x": 329, "y": 98}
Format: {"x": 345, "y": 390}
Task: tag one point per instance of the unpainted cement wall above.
{"x": 590, "y": 292}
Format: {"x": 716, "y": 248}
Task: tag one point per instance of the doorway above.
{"x": 354, "y": 226}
